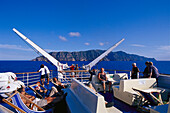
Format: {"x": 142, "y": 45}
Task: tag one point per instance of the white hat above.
{"x": 134, "y": 64}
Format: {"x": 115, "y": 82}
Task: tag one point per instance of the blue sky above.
{"x": 78, "y": 25}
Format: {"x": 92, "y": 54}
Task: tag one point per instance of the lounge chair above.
{"x": 57, "y": 86}
{"x": 18, "y": 104}
{"x": 32, "y": 87}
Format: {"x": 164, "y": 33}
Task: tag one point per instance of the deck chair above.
{"x": 152, "y": 99}
{"x": 58, "y": 86}
{"x": 18, "y": 104}
{"x": 33, "y": 89}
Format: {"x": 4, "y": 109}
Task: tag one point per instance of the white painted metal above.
{"x": 82, "y": 99}
{"x": 137, "y": 75}
{"x": 59, "y": 65}
{"x": 94, "y": 62}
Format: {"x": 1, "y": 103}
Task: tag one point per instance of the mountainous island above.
{"x": 92, "y": 54}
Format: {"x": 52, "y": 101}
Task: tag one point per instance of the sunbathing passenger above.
{"x": 58, "y": 84}
{"x": 103, "y": 79}
{"x": 52, "y": 100}
{"x": 39, "y": 90}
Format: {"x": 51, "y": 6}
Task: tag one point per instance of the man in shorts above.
{"x": 42, "y": 70}
{"x": 103, "y": 79}
{"x": 47, "y": 73}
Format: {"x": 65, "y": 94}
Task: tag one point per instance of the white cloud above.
{"x": 62, "y": 38}
{"x": 74, "y": 34}
{"x": 138, "y": 45}
{"x": 101, "y": 44}
{"x": 87, "y": 43}
{"x": 7, "y": 46}
{"x": 165, "y": 47}
{"x": 16, "y": 47}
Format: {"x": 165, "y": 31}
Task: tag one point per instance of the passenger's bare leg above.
{"x": 42, "y": 81}
{"x": 48, "y": 80}
{"x": 104, "y": 87}
{"x": 53, "y": 91}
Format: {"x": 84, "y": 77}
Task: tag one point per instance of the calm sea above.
{"x": 32, "y": 66}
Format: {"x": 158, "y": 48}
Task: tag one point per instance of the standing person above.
{"x": 153, "y": 71}
{"x": 103, "y": 79}
{"x": 47, "y": 73}
{"x": 145, "y": 72}
{"x": 135, "y": 71}
{"x": 72, "y": 68}
{"x": 92, "y": 72}
{"x": 42, "y": 70}
{"x": 76, "y": 68}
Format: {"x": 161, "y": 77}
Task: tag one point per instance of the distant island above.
{"x": 92, "y": 54}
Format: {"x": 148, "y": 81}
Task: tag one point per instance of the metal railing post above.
{"x": 23, "y": 77}
{"x": 114, "y": 71}
{"x": 130, "y": 73}
{"x": 137, "y": 75}
{"x": 81, "y": 76}
{"x": 27, "y": 79}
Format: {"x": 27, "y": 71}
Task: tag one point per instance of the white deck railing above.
{"x": 30, "y": 78}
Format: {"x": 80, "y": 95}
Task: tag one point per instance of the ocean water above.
{"x": 33, "y": 66}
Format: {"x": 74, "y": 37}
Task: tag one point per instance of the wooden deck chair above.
{"x": 3, "y": 109}
{"x": 18, "y": 104}
{"x": 32, "y": 88}
{"x": 152, "y": 99}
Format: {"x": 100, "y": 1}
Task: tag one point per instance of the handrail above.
{"x": 30, "y": 72}
{"x": 27, "y": 72}
{"x": 117, "y": 70}
{"x": 69, "y": 71}
{"x": 130, "y": 70}
{"x": 32, "y": 77}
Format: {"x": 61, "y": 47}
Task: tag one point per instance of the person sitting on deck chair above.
{"x": 51, "y": 100}
{"x": 54, "y": 91}
{"x": 58, "y": 85}
{"x": 103, "y": 79}
{"x": 39, "y": 90}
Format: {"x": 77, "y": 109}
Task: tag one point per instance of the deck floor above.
{"x": 125, "y": 108}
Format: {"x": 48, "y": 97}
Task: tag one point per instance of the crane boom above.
{"x": 59, "y": 65}
{"x": 95, "y": 61}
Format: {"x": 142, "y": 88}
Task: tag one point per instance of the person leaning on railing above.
{"x": 42, "y": 70}
{"x": 153, "y": 71}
